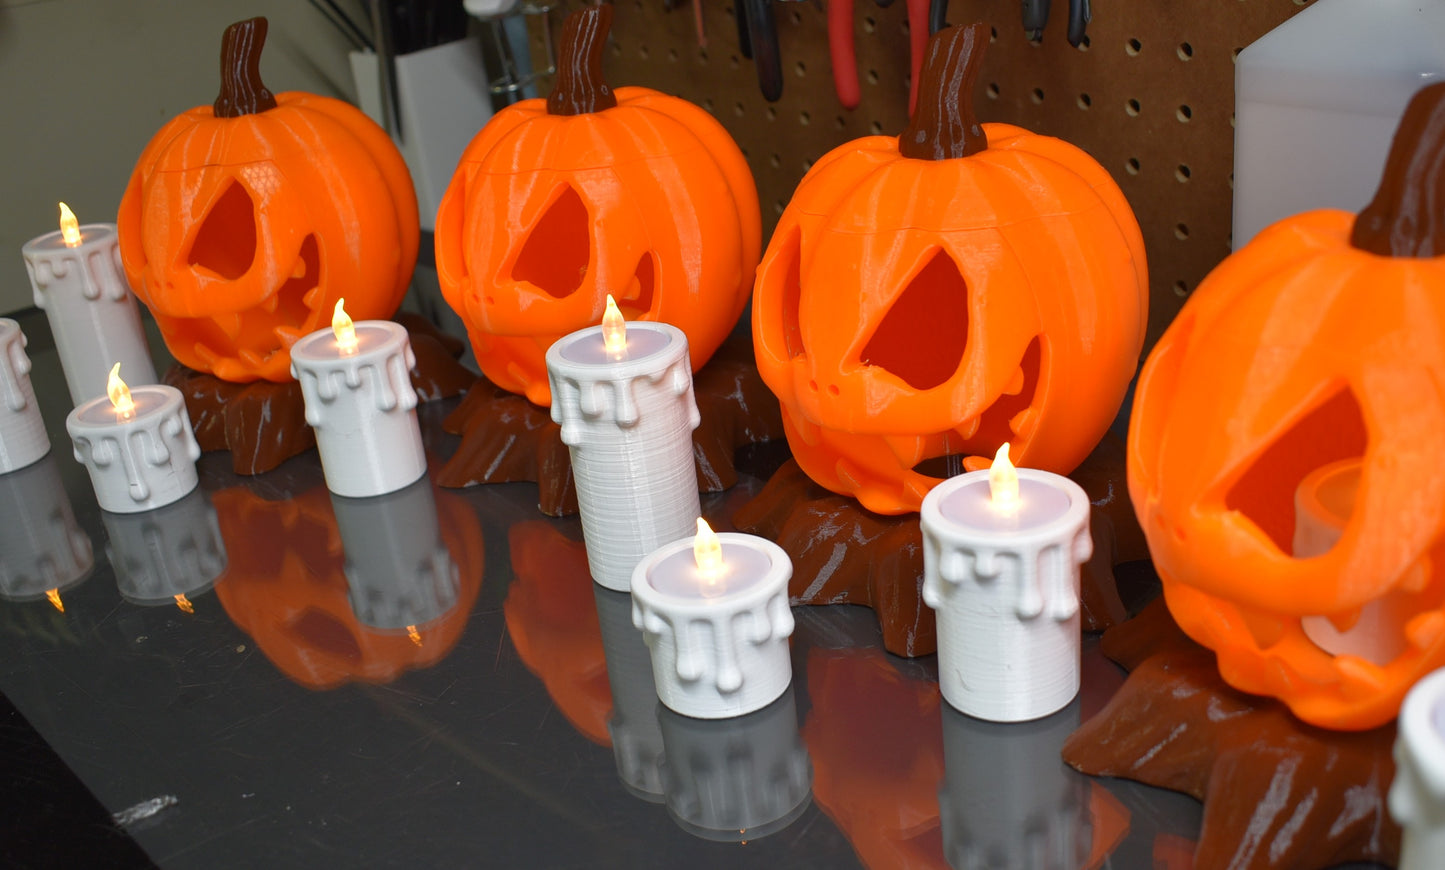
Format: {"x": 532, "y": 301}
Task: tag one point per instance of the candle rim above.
{"x": 1079, "y": 504}
{"x": 676, "y": 345}
{"x": 40, "y": 242}
{"x": 326, "y": 336}
{"x": 760, "y": 590}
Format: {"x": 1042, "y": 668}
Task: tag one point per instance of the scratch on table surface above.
{"x": 144, "y": 810}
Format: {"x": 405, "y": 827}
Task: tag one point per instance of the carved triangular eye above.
{"x": 226, "y": 242}
{"x": 1333, "y": 430}
{"x": 922, "y": 337}
{"x": 555, "y": 255}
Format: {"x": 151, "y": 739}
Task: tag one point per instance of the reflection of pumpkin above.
{"x": 1321, "y": 340}
{"x": 552, "y": 618}
{"x": 946, "y": 291}
{"x": 245, "y": 221}
{"x": 558, "y": 202}
{"x": 286, "y": 587}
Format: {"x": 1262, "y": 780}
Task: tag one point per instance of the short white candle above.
{"x": 627, "y": 419}
{"x": 398, "y": 570}
{"x": 1417, "y": 796}
{"x": 42, "y": 548}
{"x": 167, "y": 555}
{"x": 92, "y": 313}
{"x": 719, "y": 637}
{"x": 138, "y": 459}
{"x": 360, "y": 401}
{"x": 22, "y": 430}
{"x": 1003, "y": 577}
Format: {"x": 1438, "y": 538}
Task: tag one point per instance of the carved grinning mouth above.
{"x": 1010, "y": 417}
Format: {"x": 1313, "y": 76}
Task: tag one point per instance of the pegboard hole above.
{"x": 776, "y": 160}
{"x": 804, "y": 118}
{"x": 1084, "y": 43}
{"x": 1037, "y": 96}
{"x": 1182, "y": 173}
{"x": 872, "y": 76}
{"x": 734, "y": 62}
{"x": 709, "y": 104}
{"x": 772, "y": 113}
{"x": 993, "y": 34}
{"x": 800, "y": 68}
{"x": 1181, "y": 289}
{"x": 672, "y": 55}
{"x": 702, "y": 56}
{"x": 797, "y": 17}
{"x": 807, "y": 166}
{"x": 1132, "y": 107}
{"x": 1085, "y": 101}
{"x": 1133, "y": 47}
{"x": 839, "y": 123}
{"x": 869, "y": 25}
{"x": 992, "y": 90}
{"x": 778, "y": 207}
{"x": 642, "y": 52}
{"x": 617, "y": 49}
{"x": 738, "y": 109}
{"x": 1184, "y": 114}
{"x": 1185, "y": 51}
{"x": 875, "y": 128}
{"x": 1131, "y": 166}
{"x": 1181, "y": 231}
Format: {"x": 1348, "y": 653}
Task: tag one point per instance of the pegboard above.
{"x": 1150, "y": 94}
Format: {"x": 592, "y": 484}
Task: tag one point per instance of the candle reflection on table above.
{"x": 43, "y": 551}
{"x": 168, "y": 555}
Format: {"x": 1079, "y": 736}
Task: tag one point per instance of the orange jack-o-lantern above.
{"x": 1322, "y": 341}
{"x": 245, "y": 221}
{"x": 558, "y": 202}
{"x": 943, "y": 292}
{"x": 286, "y": 585}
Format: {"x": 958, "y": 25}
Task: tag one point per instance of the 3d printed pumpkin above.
{"x": 1321, "y": 340}
{"x": 558, "y": 202}
{"x": 943, "y": 292}
{"x": 245, "y": 221}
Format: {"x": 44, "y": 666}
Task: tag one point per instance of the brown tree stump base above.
{"x": 1289, "y": 795}
{"x": 844, "y": 554}
{"x": 506, "y": 438}
{"x": 263, "y": 424}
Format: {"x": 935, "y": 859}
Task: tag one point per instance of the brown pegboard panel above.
{"x": 1150, "y": 96}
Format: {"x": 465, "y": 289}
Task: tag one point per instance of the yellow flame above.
{"x": 69, "y": 226}
{"x": 185, "y": 604}
{"x": 707, "y": 550}
{"x": 614, "y": 329}
{"x": 415, "y": 635}
{"x": 54, "y": 596}
{"x": 119, "y": 394}
{"x": 343, "y": 328}
{"x": 1003, "y": 481}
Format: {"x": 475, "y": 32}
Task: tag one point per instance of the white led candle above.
{"x": 736, "y": 780}
{"x": 79, "y": 284}
{"x": 623, "y": 397}
{"x": 22, "y": 430}
{"x": 1417, "y": 796}
{"x": 137, "y": 445}
{"x": 356, "y": 384}
{"x": 714, "y": 611}
{"x": 42, "y": 548}
{"x": 1001, "y": 555}
{"x": 167, "y": 555}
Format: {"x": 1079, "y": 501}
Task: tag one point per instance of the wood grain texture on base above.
{"x": 263, "y": 424}
{"x": 506, "y": 438}
{"x": 1289, "y": 795}
{"x": 844, "y": 554}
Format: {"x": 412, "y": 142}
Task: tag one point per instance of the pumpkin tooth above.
{"x": 270, "y": 303}
{"x": 230, "y": 324}
{"x": 1415, "y": 579}
{"x": 1015, "y": 383}
{"x": 1359, "y": 678}
{"x": 1345, "y": 619}
{"x": 1023, "y": 422}
{"x": 309, "y": 298}
{"x": 207, "y": 355}
{"x": 969, "y": 428}
{"x": 977, "y": 463}
{"x": 1424, "y": 630}
{"x": 908, "y": 448}
{"x": 251, "y": 358}
{"x": 288, "y": 335}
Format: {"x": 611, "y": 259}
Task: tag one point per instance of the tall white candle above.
{"x": 717, "y": 621}
{"x": 166, "y": 555}
{"x": 1417, "y": 796}
{"x": 1002, "y": 573}
{"x": 42, "y": 548}
{"x": 627, "y": 418}
{"x": 22, "y": 429}
{"x": 139, "y": 457}
{"x": 360, "y": 401}
{"x": 95, "y": 319}
{"x": 636, "y": 735}
{"x": 398, "y": 570}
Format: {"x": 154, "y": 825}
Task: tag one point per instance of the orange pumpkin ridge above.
{"x": 926, "y": 297}
{"x": 244, "y": 221}
{"x": 559, "y": 202}
{"x": 1321, "y": 341}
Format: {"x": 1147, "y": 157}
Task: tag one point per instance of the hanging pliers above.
{"x": 1036, "y": 15}
{"x": 758, "y": 40}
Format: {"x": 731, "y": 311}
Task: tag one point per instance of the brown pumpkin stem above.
{"x": 943, "y": 126}
{"x": 1407, "y": 216}
{"x": 242, "y": 92}
{"x": 580, "y": 88}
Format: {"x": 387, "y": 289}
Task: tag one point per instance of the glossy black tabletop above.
{"x": 266, "y": 675}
